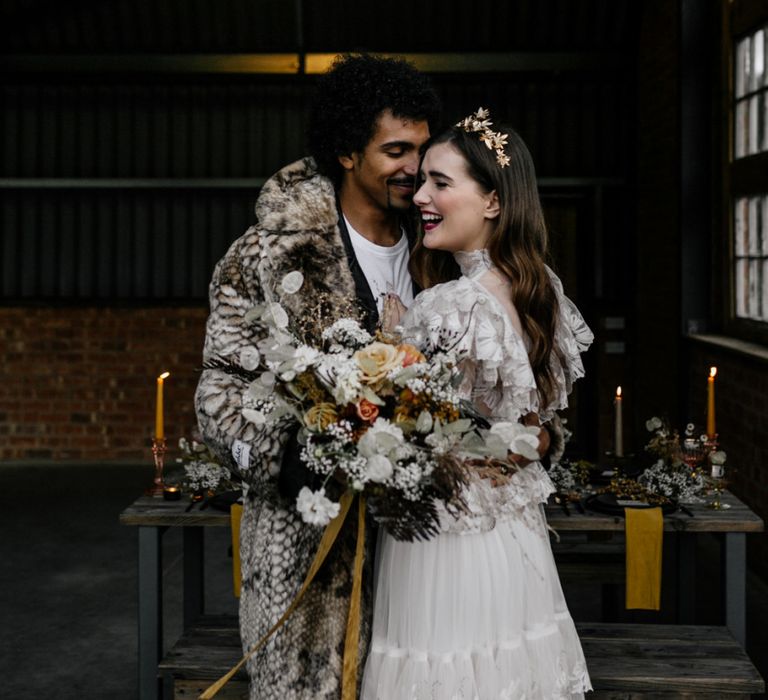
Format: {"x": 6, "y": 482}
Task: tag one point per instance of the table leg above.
{"x": 735, "y": 556}
{"x": 150, "y": 611}
{"x": 194, "y": 583}
{"x": 686, "y": 575}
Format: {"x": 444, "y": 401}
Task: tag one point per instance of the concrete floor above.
{"x": 68, "y": 584}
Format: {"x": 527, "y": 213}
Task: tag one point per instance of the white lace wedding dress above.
{"x": 477, "y": 613}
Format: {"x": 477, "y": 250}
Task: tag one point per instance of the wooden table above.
{"x": 153, "y": 516}
{"x": 732, "y": 524}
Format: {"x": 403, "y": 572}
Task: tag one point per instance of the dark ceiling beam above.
{"x": 310, "y": 63}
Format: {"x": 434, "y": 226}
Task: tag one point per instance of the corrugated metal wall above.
{"x": 130, "y": 187}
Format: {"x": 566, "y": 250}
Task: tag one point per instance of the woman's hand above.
{"x": 392, "y": 313}
{"x": 532, "y": 419}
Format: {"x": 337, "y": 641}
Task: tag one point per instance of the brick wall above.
{"x": 741, "y": 394}
{"x": 79, "y": 383}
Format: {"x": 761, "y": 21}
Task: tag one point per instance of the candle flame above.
{"x": 618, "y": 392}
{"x": 164, "y": 375}
{"x": 712, "y": 371}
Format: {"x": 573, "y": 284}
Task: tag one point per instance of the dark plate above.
{"x": 606, "y": 503}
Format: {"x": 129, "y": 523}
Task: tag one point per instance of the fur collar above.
{"x": 299, "y": 224}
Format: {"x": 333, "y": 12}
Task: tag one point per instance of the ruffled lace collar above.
{"x": 473, "y": 263}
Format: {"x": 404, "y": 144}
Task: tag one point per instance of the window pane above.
{"x": 765, "y": 290}
{"x": 740, "y": 227}
{"x": 764, "y": 116}
{"x": 753, "y": 234}
{"x": 742, "y": 287}
{"x": 750, "y": 257}
{"x": 741, "y": 125}
{"x": 753, "y": 309}
{"x": 764, "y": 221}
{"x": 754, "y": 125}
{"x": 758, "y": 60}
{"x": 742, "y": 66}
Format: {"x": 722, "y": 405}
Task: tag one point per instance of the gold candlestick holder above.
{"x": 716, "y": 476}
{"x": 158, "y": 453}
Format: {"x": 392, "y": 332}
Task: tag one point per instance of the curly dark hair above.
{"x": 352, "y": 95}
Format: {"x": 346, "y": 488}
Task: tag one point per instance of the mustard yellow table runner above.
{"x": 644, "y": 528}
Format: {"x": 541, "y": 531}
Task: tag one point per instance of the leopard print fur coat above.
{"x": 297, "y": 229}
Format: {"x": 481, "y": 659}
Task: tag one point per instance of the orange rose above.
{"x": 367, "y": 411}
{"x": 412, "y": 354}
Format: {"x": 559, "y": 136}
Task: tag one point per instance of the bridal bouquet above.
{"x": 376, "y": 415}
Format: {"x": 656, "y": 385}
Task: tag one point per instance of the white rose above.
{"x": 377, "y": 360}
{"x": 379, "y": 468}
{"x": 382, "y": 438}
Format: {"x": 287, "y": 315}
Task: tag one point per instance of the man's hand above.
{"x": 392, "y": 313}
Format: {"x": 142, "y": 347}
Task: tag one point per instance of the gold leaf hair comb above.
{"x": 480, "y": 122}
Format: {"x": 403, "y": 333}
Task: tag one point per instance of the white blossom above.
{"x": 718, "y": 457}
{"x": 346, "y": 333}
{"x": 382, "y": 438}
{"x": 304, "y": 357}
{"x": 653, "y": 424}
{"x": 315, "y": 508}
{"x": 379, "y": 468}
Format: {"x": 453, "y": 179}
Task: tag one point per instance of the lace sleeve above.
{"x": 572, "y": 337}
{"x": 498, "y": 377}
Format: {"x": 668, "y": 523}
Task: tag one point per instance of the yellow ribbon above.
{"x": 235, "y": 516}
{"x": 349, "y": 675}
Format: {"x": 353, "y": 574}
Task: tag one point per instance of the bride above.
{"x": 477, "y": 613}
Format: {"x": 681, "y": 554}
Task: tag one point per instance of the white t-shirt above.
{"x": 385, "y": 267}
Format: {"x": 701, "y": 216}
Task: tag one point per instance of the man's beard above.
{"x": 408, "y": 181}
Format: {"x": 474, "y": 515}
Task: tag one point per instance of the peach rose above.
{"x": 377, "y": 360}
{"x": 367, "y": 411}
{"x": 320, "y": 416}
{"x": 412, "y": 354}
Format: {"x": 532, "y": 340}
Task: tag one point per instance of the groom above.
{"x": 340, "y": 219}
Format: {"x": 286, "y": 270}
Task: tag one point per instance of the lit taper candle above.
{"x": 711, "y": 403}
{"x": 618, "y": 436}
{"x": 159, "y": 427}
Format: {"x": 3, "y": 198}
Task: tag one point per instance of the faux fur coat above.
{"x": 297, "y": 229}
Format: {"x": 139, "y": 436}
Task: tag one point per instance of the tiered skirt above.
{"x": 473, "y": 616}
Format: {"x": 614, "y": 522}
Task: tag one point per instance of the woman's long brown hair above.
{"x": 518, "y": 246}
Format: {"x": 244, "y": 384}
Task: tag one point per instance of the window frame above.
{"x": 745, "y": 177}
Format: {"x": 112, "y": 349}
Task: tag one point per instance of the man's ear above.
{"x": 347, "y": 162}
{"x": 492, "y": 206}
